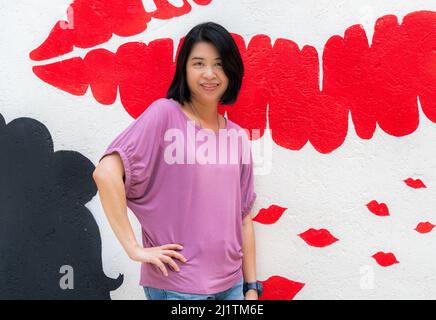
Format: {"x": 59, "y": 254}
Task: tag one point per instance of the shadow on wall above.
{"x": 50, "y": 245}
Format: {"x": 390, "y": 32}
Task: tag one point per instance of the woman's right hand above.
{"x": 158, "y": 256}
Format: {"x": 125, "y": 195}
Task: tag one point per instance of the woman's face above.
{"x": 205, "y": 75}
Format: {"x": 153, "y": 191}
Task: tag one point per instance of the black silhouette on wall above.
{"x": 44, "y": 223}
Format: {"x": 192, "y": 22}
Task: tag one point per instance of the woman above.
{"x": 191, "y": 211}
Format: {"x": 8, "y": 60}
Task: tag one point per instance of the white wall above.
{"x": 320, "y": 190}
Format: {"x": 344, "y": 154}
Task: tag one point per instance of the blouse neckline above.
{"x": 179, "y": 107}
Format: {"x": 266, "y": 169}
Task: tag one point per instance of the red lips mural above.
{"x": 385, "y": 259}
{"x": 280, "y": 288}
{"x": 424, "y": 227}
{"x": 270, "y": 215}
{"x": 379, "y": 209}
{"x": 416, "y": 184}
{"x": 95, "y": 21}
{"x": 379, "y": 84}
{"x": 318, "y": 238}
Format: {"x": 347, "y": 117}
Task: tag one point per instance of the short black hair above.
{"x": 233, "y": 66}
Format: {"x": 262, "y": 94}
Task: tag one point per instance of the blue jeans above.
{"x": 234, "y": 293}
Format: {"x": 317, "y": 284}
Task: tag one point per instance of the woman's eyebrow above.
{"x": 200, "y": 58}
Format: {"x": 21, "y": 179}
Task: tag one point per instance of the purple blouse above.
{"x": 178, "y": 198}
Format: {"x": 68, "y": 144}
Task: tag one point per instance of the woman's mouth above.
{"x": 211, "y": 87}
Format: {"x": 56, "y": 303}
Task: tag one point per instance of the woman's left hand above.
{"x": 251, "y": 295}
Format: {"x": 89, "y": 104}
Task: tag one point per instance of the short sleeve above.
{"x": 139, "y": 147}
{"x": 248, "y": 196}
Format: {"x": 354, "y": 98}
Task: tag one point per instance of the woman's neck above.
{"x": 207, "y": 112}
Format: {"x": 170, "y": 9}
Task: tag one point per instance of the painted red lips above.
{"x": 280, "y": 288}
{"x": 424, "y": 227}
{"x": 318, "y": 238}
{"x": 95, "y": 21}
{"x": 385, "y": 259}
{"x": 270, "y": 215}
{"x": 376, "y": 92}
{"x": 379, "y": 209}
{"x": 416, "y": 184}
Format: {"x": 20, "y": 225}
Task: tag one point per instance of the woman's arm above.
{"x": 249, "y": 255}
{"x": 108, "y": 177}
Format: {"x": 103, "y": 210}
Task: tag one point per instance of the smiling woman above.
{"x": 207, "y": 224}
{"x": 207, "y": 59}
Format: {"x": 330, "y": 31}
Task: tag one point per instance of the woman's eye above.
{"x": 199, "y": 63}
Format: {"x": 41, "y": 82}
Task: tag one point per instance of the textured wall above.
{"x": 342, "y": 94}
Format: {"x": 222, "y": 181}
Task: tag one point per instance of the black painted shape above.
{"x": 44, "y": 223}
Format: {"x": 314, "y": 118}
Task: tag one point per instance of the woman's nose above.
{"x": 209, "y": 72}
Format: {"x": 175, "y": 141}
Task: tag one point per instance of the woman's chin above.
{"x": 209, "y": 98}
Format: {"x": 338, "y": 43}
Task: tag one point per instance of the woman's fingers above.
{"x": 164, "y": 256}
{"x": 161, "y": 266}
{"x": 171, "y": 262}
{"x": 171, "y": 246}
{"x": 175, "y": 254}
